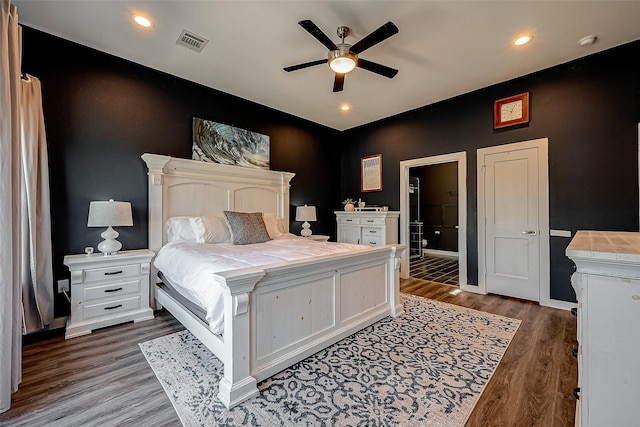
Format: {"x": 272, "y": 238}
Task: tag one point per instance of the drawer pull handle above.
{"x": 373, "y": 231}
{"x": 369, "y": 220}
{"x": 635, "y": 297}
{"x": 111, "y": 273}
{"x": 113, "y": 290}
{"x": 348, "y": 220}
{"x": 576, "y": 393}
{"x": 113, "y": 307}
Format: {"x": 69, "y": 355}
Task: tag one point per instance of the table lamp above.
{"x": 306, "y": 213}
{"x": 109, "y": 214}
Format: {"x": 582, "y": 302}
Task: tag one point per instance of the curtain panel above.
{"x": 10, "y": 205}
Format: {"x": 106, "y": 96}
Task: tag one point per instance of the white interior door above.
{"x": 512, "y": 222}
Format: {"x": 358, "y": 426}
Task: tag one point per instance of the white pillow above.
{"x": 274, "y": 225}
{"x": 210, "y": 229}
{"x": 179, "y": 228}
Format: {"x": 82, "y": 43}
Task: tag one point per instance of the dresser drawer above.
{"x": 368, "y": 232}
{"x": 113, "y": 290}
{"x": 372, "y": 240}
{"x": 372, "y": 221}
{"x": 111, "y": 308}
{"x": 111, "y": 273}
{"x": 349, "y": 220}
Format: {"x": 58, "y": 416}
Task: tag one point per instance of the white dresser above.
{"x": 107, "y": 290}
{"x": 607, "y": 285}
{"x": 373, "y": 228}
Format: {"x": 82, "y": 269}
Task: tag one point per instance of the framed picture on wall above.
{"x": 371, "y": 173}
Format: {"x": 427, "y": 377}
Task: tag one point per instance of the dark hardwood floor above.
{"x": 102, "y": 379}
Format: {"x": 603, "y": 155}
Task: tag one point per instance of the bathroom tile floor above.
{"x": 439, "y": 269}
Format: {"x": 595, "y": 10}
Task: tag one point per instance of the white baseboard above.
{"x": 556, "y": 303}
{"x": 439, "y": 252}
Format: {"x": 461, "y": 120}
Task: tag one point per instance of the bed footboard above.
{"x": 277, "y": 316}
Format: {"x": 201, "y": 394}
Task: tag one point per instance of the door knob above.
{"x": 530, "y": 232}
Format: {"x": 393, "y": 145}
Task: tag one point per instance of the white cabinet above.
{"x": 607, "y": 285}
{"x": 108, "y": 289}
{"x": 374, "y": 228}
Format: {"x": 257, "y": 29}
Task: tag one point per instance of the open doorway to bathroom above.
{"x": 433, "y": 223}
{"x": 434, "y": 228}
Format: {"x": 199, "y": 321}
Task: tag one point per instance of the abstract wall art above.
{"x": 228, "y": 145}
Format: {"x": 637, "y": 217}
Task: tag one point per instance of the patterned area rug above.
{"x": 427, "y": 367}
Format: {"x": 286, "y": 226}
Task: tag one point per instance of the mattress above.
{"x": 190, "y": 266}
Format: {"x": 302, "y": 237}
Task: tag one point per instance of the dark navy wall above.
{"x": 589, "y": 110}
{"x": 102, "y": 113}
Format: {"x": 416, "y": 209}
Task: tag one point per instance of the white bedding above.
{"x": 191, "y": 265}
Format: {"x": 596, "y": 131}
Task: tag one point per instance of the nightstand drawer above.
{"x": 111, "y": 273}
{"x": 372, "y": 240}
{"x": 111, "y": 307}
{"x": 349, "y": 220}
{"x": 113, "y": 290}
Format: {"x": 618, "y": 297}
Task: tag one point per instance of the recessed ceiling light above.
{"x": 523, "y": 40}
{"x": 345, "y": 107}
{"x": 143, "y": 21}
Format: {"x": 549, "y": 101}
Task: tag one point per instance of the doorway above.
{"x": 513, "y": 220}
{"x": 433, "y": 223}
{"x": 405, "y": 211}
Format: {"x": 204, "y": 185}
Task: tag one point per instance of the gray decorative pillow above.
{"x": 246, "y": 227}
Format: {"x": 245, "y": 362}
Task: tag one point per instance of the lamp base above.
{"x": 109, "y": 245}
{"x": 306, "y": 230}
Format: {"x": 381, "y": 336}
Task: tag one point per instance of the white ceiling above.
{"x": 443, "y": 48}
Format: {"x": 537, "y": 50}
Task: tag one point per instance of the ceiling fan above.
{"x": 343, "y": 57}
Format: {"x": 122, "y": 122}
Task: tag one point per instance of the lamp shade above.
{"x": 306, "y": 213}
{"x": 107, "y": 214}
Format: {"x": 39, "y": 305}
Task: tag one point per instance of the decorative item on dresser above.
{"x": 373, "y": 228}
{"x": 348, "y": 204}
{"x": 109, "y": 214}
{"x": 607, "y": 285}
{"x": 306, "y": 213}
{"x": 107, "y": 290}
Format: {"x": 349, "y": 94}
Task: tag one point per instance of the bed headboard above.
{"x": 182, "y": 187}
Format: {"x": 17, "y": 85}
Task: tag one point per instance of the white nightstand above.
{"x": 108, "y": 289}
{"x": 318, "y": 237}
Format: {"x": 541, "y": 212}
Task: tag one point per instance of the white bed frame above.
{"x": 277, "y": 315}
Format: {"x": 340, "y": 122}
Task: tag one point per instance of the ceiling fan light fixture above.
{"x": 342, "y": 61}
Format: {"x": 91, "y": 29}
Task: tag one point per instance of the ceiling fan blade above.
{"x": 305, "y": 65}
{"x": 318, "y": 34}
{"x": 383, "y": 70}
{"x": 338, "y": 82}
{"x": 382, "y": 33}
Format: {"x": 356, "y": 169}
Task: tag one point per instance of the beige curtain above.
{"x": 36, "y": 271}
{"x": 10, "y": 205}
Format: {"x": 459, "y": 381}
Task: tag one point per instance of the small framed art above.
{"x": 371, "y": 173}
{"x": 510, "y": 111}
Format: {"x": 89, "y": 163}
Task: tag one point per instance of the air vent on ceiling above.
{"x": 191, "y": 41}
